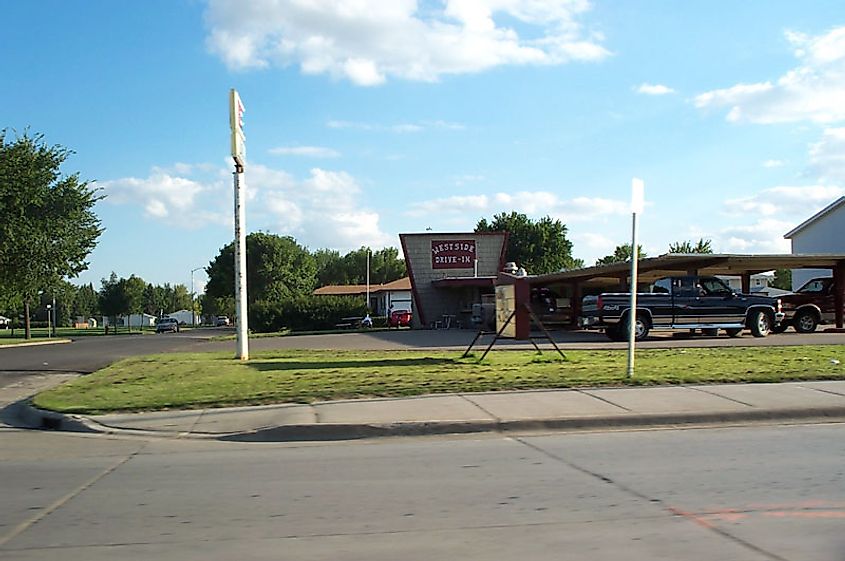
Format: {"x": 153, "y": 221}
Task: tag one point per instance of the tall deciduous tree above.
{"x": 385, "y": 266}
{"x": 783, "y": 279}
{"x": 540, "y": 247}
{"x": 702, "y": 246}
{"x": 621, "y": 254}
{"x": 47, "y": 223}
{"x": 85, "y": 304}
{"x": 277, "y": 268}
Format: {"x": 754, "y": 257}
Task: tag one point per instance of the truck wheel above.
{"x": 641, "y": 327}
{"x": 614, "y": 333}
{"x": 733, "y": 332}
{"x": 806, "y": 321}
{"x": 760, "y": 324}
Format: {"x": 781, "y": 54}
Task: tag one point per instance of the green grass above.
{"x": 216, "y": 379}
{"x": 16, "y": 341}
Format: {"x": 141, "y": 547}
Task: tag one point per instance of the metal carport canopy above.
{"x": 743, "y": 266}
{"x": 653, "y": 268}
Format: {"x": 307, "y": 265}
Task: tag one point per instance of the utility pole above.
{"x": 236, "y": 112}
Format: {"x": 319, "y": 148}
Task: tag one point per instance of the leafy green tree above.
{"x": 540, "y": 247}
{"x": 85, "y": 302}
{"x": 702, "y": 246}
{"x": 330, "y": 267}
{"x": 783, "y": 279}
{"x": 48, "y": 226}
{"x": 111, "y": 298}
{"x": 153, "y": 300}
{"x": 385, "y": 266}
{"x": 277, "y": 268}
{"x": 621, "y": 254}
{"x": 122, "y": 297}
{"x": 132, "y": 293}
{"x": 179, "y": 298}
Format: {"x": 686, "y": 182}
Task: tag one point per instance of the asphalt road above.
{"x": 762, "y": 493}
{"x": 87, "y": 354}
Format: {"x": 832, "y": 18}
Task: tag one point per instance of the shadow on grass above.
{"x": 338, "y": 364}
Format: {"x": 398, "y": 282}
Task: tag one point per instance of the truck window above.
{"x": 714, "y": 287}
{"x": 815, "y": 286}
{"x": 662, "y": 286}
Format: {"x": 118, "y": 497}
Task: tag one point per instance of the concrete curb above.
{"x": 35, "y": 418}
{"x": 48, "y": 420}
{"x": 36, "y": 344}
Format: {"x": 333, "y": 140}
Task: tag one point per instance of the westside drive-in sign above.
{"x": 452, "y": 254}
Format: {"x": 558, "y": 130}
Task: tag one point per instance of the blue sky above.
{"x": 366, "y": 118}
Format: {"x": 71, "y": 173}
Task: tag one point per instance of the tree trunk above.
{"x": 27, "y": 334}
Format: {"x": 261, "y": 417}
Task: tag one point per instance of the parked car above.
{"x": 167, "y": 325}
{"x": 682, "y": 303}
{"x": 5, "y": 322}
{"x": 221, "y": 321}
{"x": 809, "y": 306}
{"x": 400, "y": 318}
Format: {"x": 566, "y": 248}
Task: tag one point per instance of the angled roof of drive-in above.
{"x": 705, "y": 264}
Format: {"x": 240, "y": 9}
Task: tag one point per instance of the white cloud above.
{"x": 761, "y": 236}
{"x": 654, "y": 89}
{"x": 768, "y": 215}
{"x": 813, "y": 91}
{"x": 827, "y": 157}
{"x": 532, "y": 203}
{"x": 161, "y": 195}
{"x": 773, "y": 163}
{"x": 786, "y": 203}
{"x": 307, "y": 151}
{"x": 368, "y": 41}
{"x": 322, "y": 210}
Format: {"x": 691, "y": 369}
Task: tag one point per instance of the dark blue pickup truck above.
{"x": 682, "y": 303}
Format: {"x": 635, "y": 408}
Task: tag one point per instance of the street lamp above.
{"x": 193, "y": 313}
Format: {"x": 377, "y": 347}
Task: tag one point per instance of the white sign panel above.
{"x": 236, "y": 123}
{"x": 637, "y": 195}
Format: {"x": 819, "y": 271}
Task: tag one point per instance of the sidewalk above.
{"x": 503, "y": 412}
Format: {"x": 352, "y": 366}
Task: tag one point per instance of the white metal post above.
{"x": 193, "y": 299}
{"x": 637, "y": 202}
{"x": 632, "y": 315}
{"x": 240, "y": 266}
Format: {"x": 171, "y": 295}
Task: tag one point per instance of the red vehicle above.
{"x": 400, "y": 318}
{"x": 809, "y": 306}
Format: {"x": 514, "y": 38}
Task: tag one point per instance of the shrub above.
{"x": 304, "y": 313}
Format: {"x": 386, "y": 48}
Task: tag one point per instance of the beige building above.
{"x": 451, "y": 274}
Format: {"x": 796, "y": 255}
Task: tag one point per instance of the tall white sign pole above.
{"x": 236, "y": 122}
{"x": 637, "y": 200}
